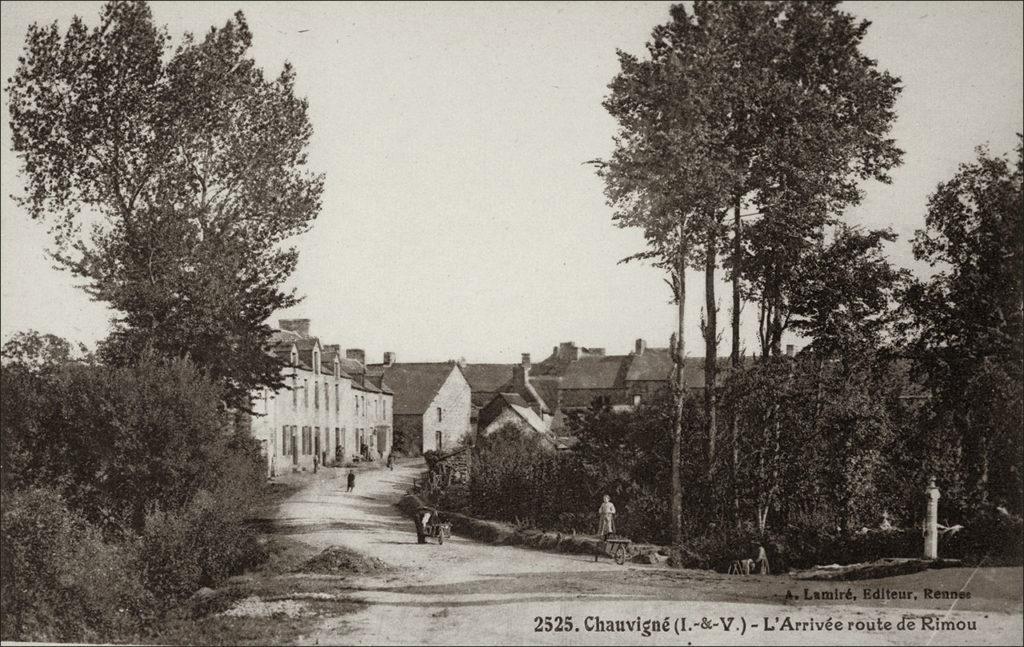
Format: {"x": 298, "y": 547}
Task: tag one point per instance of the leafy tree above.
{"x": 967, "y": 327}
{"x": 844, "y": 294}
{"x": 170, "y": 181}
{"x": 821, "y": 112}
{"x": 665, "y": 175}
{"x": 37, "y": 352}
{"x": 119, "y": 442}
{"x": 768, "y": 104}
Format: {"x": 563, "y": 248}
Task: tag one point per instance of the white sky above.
{"x": 459, "y": 218}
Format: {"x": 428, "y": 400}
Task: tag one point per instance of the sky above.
{"x": 460, "y": 218}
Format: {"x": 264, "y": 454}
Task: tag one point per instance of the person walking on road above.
{"x": 421, "y": 518}
{"x": 606, "y": 516}
{"x": 351, "y": 481}
{"x": 391, "y": 461}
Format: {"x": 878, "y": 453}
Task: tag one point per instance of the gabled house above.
{"x": 432, "y": 403}
{"x": 510, "y": 409}
{"x": 486, "y": 381}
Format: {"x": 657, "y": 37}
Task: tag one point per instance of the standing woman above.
{"x": 606, "y": 516}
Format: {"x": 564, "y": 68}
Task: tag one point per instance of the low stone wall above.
{"x": 496, "y": 532}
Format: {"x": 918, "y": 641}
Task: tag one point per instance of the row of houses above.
{"x": 331, "y": 409}
{"x": 336, "y": 406}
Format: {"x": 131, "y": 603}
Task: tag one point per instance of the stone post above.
{"x": 931, "y": 522}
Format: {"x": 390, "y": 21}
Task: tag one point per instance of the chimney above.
{"x": 299, "y": 326}
{"x": 357, "y": 354}
{"x": 520, "y": 375}
{"x": 641, "y": 346}
{"x": 389, "y": 358}
{"x": 789, "y": 350}
{"x": 567, "y": 351}
{"x": 332, "y": 348}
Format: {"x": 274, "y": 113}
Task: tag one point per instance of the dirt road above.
{"x": 465, "y": 592}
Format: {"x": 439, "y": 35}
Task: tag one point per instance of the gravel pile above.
{"x": 337, "y": 560}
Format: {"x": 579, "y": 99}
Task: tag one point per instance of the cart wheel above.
{"x": 620, "y": 555}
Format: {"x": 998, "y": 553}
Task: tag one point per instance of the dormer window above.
{"x": 316, "y": 361}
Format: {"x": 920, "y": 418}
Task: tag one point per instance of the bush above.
{"x": 991, "y": 537}
{"x": 199, "y": 545}
{"x": 61, "y": 581}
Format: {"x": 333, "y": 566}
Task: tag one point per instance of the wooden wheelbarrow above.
{"x": 615, "y": 546}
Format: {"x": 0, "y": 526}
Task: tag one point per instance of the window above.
{"x": 284, "y": 440}
{"x": 357, "y": 405}
{"x": 305, "y": 393}
{"x": 363, "y": 403}
{"x": 437, "y": 439}
{"x": 295, "y": 393}
{"x": 440, "y": 416}
{"x": 636, "y": 400}
{"x": 316, "y": 395}
{"x": 337, "y": 401}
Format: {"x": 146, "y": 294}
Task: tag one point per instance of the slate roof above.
{"x": 352, "y": 367}
{"x": 614, "y": 371}
{"x": 488, "y": 378}
{"x": 282, "y": 351}
{"x": 284, "y": 336}
{"x": 654, "y": 364}
{"x": 378, "y": 381}
{"x": 595, "y": 373}
{"x": 546, "y": 387}
{"x": 414, "y": 384}
{"x": 327, "y": 358}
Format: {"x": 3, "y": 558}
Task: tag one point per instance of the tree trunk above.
{"x": 711, "y": 350}
{"x": 678, "y": 349}
{"x": 734, "y": 423}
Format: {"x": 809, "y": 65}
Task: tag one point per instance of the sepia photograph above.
{"x": 512, "y": 323}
